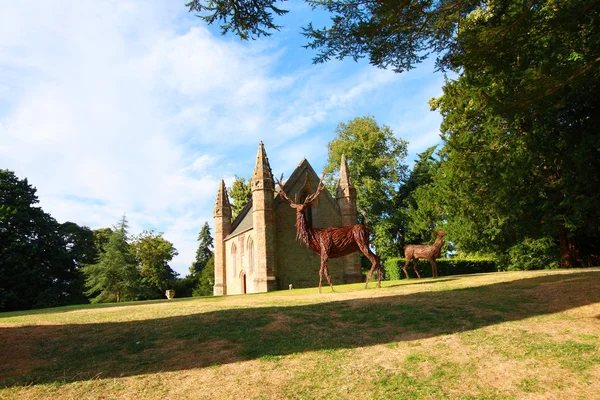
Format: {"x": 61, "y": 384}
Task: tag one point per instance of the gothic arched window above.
{"x": 251, "y": 253}
{"x": 233, "y": 259}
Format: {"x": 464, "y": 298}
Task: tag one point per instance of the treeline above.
{"x": 518, "y": 172}
{"x": 44, "y": 263}
{"x": 513, "y": 204}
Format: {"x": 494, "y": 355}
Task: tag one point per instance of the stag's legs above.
{"x": 375, "y": 263}
{"x": 320, "y": 277}
{"x": 324, "y": 269}
{"x": 434, "y": 271}
{"x": 415, "y": 263}
{"x": 328, "y": 276}
{"x": 405, "y": 266}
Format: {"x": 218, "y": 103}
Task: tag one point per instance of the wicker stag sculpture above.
{"x": 331, "y": 242}
{"x": 428, "y": 252}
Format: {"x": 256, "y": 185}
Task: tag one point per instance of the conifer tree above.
{"x": 115, "y": 276}
{"x": 204, "y": 251}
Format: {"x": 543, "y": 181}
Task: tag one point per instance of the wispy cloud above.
{"x": 135, "y": 107}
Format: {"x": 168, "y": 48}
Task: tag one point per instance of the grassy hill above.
{"x": 490, "y": 336}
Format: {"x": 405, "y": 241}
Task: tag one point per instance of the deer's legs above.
{"x": 328, "y": 276}
{"x": 374, "y": 263}
{"x": 434, "y": 271}
{"x": 320, "y": 276}
{"x": 406, "y": 265}
{"x": 415, "y": 263}
{"x": 324, "y": 269}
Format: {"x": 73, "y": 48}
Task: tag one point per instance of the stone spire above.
{"x": 222, "y": 206}
{"x": 263, "y": 221}
{"x": 222, "y": 225}
{"x": 346, "y": 199}
{"x": 262, "y": 178}
{"x": 345, "y": 187}
{"x": 345, "y": 182}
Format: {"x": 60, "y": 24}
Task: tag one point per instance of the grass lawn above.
{"x": 513, "y": 335}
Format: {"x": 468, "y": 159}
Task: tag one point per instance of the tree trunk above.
{"x": 568, "y": 250}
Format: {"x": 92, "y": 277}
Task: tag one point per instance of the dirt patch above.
{"x": 280, "y": 323}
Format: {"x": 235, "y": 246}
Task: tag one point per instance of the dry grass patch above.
{"x": 507, "y": 335}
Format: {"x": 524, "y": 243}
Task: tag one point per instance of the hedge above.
{"x": 446, "y": 266}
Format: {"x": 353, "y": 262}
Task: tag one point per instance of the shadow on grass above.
{"x": 67, "y": 353}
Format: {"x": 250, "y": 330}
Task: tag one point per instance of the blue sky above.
{"x": 137, "y": 107}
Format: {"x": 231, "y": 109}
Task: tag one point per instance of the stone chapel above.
{"x": 258, "y": 251}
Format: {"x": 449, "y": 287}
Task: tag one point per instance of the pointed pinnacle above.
{"x": 222, "y": 200}
{"x": 262, "y": 169}
{"x": 345, "y": 181}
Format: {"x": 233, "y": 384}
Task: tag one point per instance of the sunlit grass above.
{"x": 504, "y": 335}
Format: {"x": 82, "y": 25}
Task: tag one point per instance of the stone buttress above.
{"x": 346, "y": 199}
{"x": 222, "y": 221}
{"x": 263, "y": 217}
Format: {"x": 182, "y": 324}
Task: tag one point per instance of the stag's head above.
{"x": 441, "y": 233}
{"x": 308, "y": 201}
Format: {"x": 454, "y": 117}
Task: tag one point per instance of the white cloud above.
{"x": 135, "y": 107}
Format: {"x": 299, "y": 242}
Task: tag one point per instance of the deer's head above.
{"x": 441, "y": 233}
{"x": 308, "y": 201}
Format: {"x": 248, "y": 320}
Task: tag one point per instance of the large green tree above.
{"x": 376, "y": 162}
{"x": 521, "y": 130}
{"x": 520, "y": 121}
{"x": 240, "y": 193}
{"x": 153, "y": 253}
{"x": 115, "y": 276}
{"x": 39, "y": 258}
{"x": 204, "y": 251}
{"x": 206, "y": 279}
{"x": 421, "y": 214}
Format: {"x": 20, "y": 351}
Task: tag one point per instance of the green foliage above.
{"x": 521, "y": 158}
{"x": 446, "y": 266}
{"x": 249, "y": 19}
{"x": 376, "y": 164}
{"x": 40, "y": 259}
{"x": 240, "y": 193}
{"x": 101, "y": 238}
{"x": 204, "y": 251}
{"x": 534, "y": 254}
{"x": 206, "y": 279}
{"x": 114, "y": 277}
{"x": 522, "y": 148}
{"x": 153, "y": 252}
{"x": 184, "y": 286}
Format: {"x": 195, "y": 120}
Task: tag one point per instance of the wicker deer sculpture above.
{"x": 331, "y": 242}
{"x": 428, "y": 252}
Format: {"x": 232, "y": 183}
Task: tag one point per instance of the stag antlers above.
{"x": 331, "y": 242}
{"x": 309, "y": 199}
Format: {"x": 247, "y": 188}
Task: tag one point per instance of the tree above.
{"x": 240, "y": 193}
{"x": 39, "y": 258}
{"x": 247, "y": 19}
{"x": 520, "y": 121}
{"x": 153, "y": 253}
{"x": 375, "y": 161}
{"x": 79, "y": 248}
{"x": 522, "y": 148}
{"x": 101, "y": 238}
{"x": 422, "y": 215}
{"x": 204, "y": 251}
{"x": 114, "y": 277}
{"x": 206, "y": 279}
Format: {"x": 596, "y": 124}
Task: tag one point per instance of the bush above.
{"x": 446, "y": 266}
{"x": 534, "y": 254}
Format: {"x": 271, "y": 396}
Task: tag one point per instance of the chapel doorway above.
{"x": 243, "y": 278}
